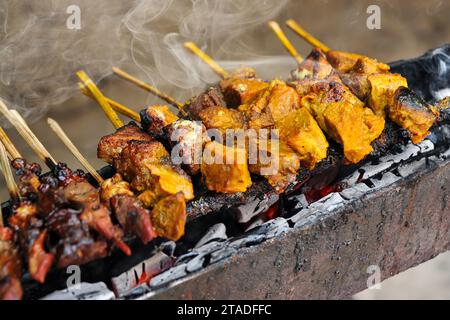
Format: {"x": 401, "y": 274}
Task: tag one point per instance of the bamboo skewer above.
{"x": 118, "y": 107}
{"x": 285, "y": 41}
{"x": 207, "y": 59}
{"x": 149, "y": 88}
{"x": 12, "y": 151}
{"x": 110, "y": 113}
{"x": 32, "y": 140}
{"x": 21, "y": 126}
{"x": 306, "y": 35}
{"x": 9, "y": 178}
{"x": 69, "y": 144}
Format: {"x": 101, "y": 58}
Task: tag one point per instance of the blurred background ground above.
{"x": 408, "y": 29}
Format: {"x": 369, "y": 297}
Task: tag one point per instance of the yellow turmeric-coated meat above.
{"x": 345, "y": 119}
{"x": 225, "y": 169}
{"x": 412, "y": 113}
{"x": 302, "y": 133}
{"x": 169, "y": 217}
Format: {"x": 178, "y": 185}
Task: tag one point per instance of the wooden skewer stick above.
{"x": 10, "y": 182}
{"x": 69, "y": 144}
{"x": 114, "y": 104}
{"x": 285, "y": 41}
{"x": 21, "y": 126}
{"x": 306, "y": 35}
{"x": 12, "y": 151}
{"x": 149, "y": 88}
{"x": 207, "y": 59}
{"x": 32, "y": 140}
{"x": 110, "y": 113}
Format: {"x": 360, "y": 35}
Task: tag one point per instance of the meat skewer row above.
{"x": 10, "y": 260}
{"x": 132, "y": 216}
{"x": 144, "y": 169}
{"x": 45, "y": 198}
{"x": 387, "y": 94}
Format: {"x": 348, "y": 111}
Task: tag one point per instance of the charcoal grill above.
{"x": 392, "y": 214}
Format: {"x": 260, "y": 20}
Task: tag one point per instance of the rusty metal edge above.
{"x": 394, "y": 229}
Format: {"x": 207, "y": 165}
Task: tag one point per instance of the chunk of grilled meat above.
{"x": 222, "y": 174}
{"x": 28, "y": 223}
{"x": 241, "y": 87}
{"x": 169, "y": 216}
{"x": 302, "y": 133}
{"x": 278, "y": 164}
{"x": 345, "y": 61}
{"x": 271, "y": 105}
{"x": 187, "y": 139}
{"x": 10, "y": 267}
{"x": 148, "y": 167}
{"x": 212, "y": 97}
{"x": 76, "y": 244}
{"x": 155, "y": 118}
{"x": 222, "y": 119}
{"x": 412, "y": 113}
{"x": 130, "y": 213}
{"x": 111, "y": 146}
{"x": 352, "y": 125}
{"x": 82, "y": 195}
{"x": 133, "y": 217}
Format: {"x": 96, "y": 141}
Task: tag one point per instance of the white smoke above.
{"x": 39, "y": 55}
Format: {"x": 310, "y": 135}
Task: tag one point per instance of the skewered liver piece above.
{"x": 28, "y": 224}
{"x": 10, "y": 267}
{"x": 210, "y": 98}
{"x": 130, "y": 213}
{"x": 76, "y": 244}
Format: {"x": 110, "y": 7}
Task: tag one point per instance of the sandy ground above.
{"x": 409, "y": 28}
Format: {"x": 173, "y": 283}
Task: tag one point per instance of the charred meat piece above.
{"x": 350, "y": 124}
{"x": 156, "y": 118}
{"x": 222, "y": 174}
{"x": 383, "y": 87}
{"x": 130, "y": 213}
{"x": 443, "y": 109}
{"x": 28, "y": 223}
{"x": 344, "y": 61}
{"x": 111, "y": 146}
{"x": 82, "y": 195}
{"x": 410, "y": 112}
{"x": 10, "y": 267}
{"x": 133, "y": 217}
{"x": 148, "y": 166}
{"x": 277, "y": 162}
{"x": 169, "y": 216}
{"x": 76, "y": 244}
{"x": 314, "y": 66}
{"x": 210, "y": 98}
{"x": 187, "y": 139}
